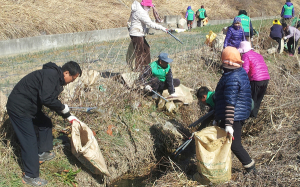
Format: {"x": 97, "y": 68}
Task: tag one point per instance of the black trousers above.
{"x": 278, "y": 40}
{"x": 258, "y": 90}
{"x": 163, "y": 85}
{"x": 32, "y": 140}
{"x": 237, "y": 147}
{"x": 291, "y": 43}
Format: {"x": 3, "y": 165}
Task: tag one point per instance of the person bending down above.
{"x": 158, "y": 76}
{"x": 258, "y": 74}
{"x": 24, "y": 107}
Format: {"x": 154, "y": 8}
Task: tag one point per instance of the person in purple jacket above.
{"x": 190, "y": 17}
{"x": 235, "y": 34}
{"x": 276, "y": 33}
{"x": 258, "y": 74}
{"x": 287, "y": 11}
{"x": 293, "y": 35}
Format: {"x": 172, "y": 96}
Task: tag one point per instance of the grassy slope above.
{"x": 32, "y": 18}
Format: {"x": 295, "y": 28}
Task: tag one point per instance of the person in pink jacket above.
{"x": 258, "y": 74}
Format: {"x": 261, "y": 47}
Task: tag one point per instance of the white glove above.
{"x": 173, "y": 95}
{"x": 148, "y": 88}
{"x": 284, "y": 38}
{"x": 229, "y": 130}
{"x": 251, "y": 39}
{"x": 65, "y": 110}
{"x": 72, "y": 118}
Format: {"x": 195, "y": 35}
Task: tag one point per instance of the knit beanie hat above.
{"x": 189, "y": 7}
{"x": 237, "y": 19}
{"x": 231, "y": 58}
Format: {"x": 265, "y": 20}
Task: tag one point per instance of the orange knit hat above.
{"x": 231, "y": 58}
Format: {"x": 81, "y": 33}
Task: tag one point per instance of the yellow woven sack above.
{"x": 213, "y": 152}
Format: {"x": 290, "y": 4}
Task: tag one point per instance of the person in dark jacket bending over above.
{"x": 158, "y": 76}
{"x": 287, "y": 12}
{"x": 233, "y": 103}
{"x": 206, "y": 97}
{"x": 24, "y": 107}
{"x": 235, "y": 34}
{"x": 277, "y": 33}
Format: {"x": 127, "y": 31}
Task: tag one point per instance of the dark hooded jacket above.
{"x": 36, "y": 89}
{"x": 276, "y": 31}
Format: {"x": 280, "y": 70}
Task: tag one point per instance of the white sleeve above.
{"x": 147, "y": 21}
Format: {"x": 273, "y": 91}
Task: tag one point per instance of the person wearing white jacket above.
{"x": 139, "y": 19}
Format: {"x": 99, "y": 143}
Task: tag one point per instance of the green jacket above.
{"x": 209, "y": 99}
{"x": 288, "y": 10}
{"x": 190, "y": 16}
{"x": 158, "y": 71}
{"x": 245, "y": 22}
{"x": 201, "y": 13}
{"x": 295, "y": 21}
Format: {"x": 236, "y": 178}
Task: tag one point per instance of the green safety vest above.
{"x": 209, "y": 99}
{"x": 245, "y": 22}
{"x": 201, "y": 13}
{"x": 158, "y": 71}
{"x": 288, "y": 10}
{"x": 190, "y": 16}
{"x": 295, "y": 22}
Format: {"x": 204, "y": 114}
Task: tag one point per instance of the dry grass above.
{"x": 21, "y": 18}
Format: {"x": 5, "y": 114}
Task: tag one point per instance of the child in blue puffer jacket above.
{"x": 233, "y": 103}
{"x": 235, "y": 34}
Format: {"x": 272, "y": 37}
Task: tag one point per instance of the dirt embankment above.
{"x": 21, "y": 18}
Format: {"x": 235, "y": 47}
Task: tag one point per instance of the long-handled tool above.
{"x": 203, "y": 118}
{"x": 87, "y": 109}
{"x": 160, "y": 95}
{"x": 174, "y": 37}
{"x": 183, "y": 146}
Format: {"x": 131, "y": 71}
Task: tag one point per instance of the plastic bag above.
{"x": 213, "y": 152}
{"x": 210, "y": 38}
{"x": 205, "y": 21}
{"x": 85, "y": 148}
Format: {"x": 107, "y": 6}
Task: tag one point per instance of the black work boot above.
{"x": 34, "y": 181}
{"x": 251, "y": 168}
{"x": 45, "y": 156}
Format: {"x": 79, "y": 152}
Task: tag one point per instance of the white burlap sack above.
{"x": 213, "y": 152}
{"x": 184, "y": 94}
{"x": 85, "y": 148}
